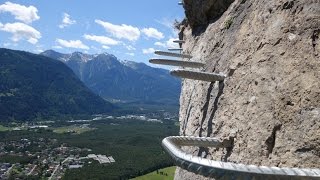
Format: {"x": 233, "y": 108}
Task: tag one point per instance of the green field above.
{"x": 72, "y": 129}
{"x": 163, "y": 174}
{"x": 3, "y": 128}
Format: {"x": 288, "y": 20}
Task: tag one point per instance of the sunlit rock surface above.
{"x": 270, "y": 101}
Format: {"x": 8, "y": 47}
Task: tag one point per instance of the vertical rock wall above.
{"x": 270, "y": 102}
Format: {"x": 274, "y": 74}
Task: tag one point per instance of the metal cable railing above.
{"x": 227, "y": 170}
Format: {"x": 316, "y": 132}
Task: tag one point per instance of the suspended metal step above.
{"x": 164, "y": 53}
{"x": 180, "y": 3}
{"x": 175, "y": 49}
{"x": 225, "y": 170}
{"x": 196, "y": 75}
{"x": 170, "y": 62}
{"x": 179, "y": 41}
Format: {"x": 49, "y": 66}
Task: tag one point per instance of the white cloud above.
{"x": 105, "y": 47}
{"x": 130, "y": 48}
{"x": 72, "y": 44}
{"x": 171, "y": 44}
{"x": 168, "y": 44}
{"x": 122, "y": 31}
{"x": 101, "y": 39}
{"x": 66, "y": 21}
{"x": 130, "y": 54}
{"x": 20, "y": 12}
{"x": 160, "y": 44}
{"x": 56, "y": 47}
{"x": 21, "y": 31}
{"x": 152, "y": 33}
{"x": 148, "y": 51}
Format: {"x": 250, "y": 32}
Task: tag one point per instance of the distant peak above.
{"x": 77, "y": 53}
{"x": 81, "y": 56}
{"x": 54, "y": 54}
{"x": 50, "y": 51}
{"x": 107, "y": 55}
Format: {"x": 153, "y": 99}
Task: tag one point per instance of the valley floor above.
{"x": 65, "y": 149}
{"x": 160, "y": 174}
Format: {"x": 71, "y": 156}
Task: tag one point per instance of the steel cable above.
{"x": 227, "y": 170}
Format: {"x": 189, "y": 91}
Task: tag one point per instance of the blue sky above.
{"x": 131, "y": 30}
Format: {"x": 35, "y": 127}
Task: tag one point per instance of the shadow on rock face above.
{"x": 202, "y": 12}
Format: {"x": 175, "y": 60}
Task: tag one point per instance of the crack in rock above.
{"x": 288, "y": 5}
{"x": 315, "y": 37}
{"x": 206, "y": 107}
{"x": 229, "y": 150}
{"x": 188, "y": 110}
{"x": 215, "y": 107}
{"x": 271, "y": 140}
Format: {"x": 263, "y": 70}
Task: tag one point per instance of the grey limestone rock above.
{"x": 270, "y": 102}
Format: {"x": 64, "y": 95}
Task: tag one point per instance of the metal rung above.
{"x": 180, "y": 3}
{"x": 179, "y": 41}
{"x": 164, "y": 53}
{"x": 191, "y": 64}
{"x": 196, "y": 75}
{"x": 226, "y": 170}
{"x": 175, "y": 49}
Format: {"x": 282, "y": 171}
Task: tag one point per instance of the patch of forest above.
{"x": 135, "y": 146}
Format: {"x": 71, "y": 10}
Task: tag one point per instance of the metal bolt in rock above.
{"x": 226, "y": 170}
{"x": 164, "y": 53}
{"x": 196, "y": 75}
{"x": 171, "y": 62}
{"x": 179, "y": 41}
{"x": 175, "y": 49}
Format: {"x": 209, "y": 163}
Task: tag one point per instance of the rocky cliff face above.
{"x": 269, "y": 104}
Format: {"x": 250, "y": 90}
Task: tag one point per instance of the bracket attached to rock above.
{"x": 180, "y": 63}
{"x": 164, "y": 53}
{"x": 197, "y": 75}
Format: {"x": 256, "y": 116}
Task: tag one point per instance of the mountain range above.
{"x": 124, "y": 81}
{"x": 33, "y": 86}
